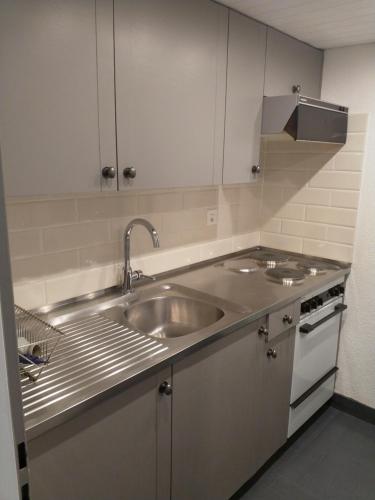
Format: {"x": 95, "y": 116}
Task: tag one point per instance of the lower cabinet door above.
{"x": 275, "y": 365}
{"x": 117, "y": 450}
{"x": 213, "y": 424}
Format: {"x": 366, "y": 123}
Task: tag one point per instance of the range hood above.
{"x": 305, "y": 119}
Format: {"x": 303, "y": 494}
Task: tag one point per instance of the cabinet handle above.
{"x": 165, "y": 388}
{"x": 129, "y": 173}
{"x": 272, "y": 353}
{"x": 288, "y": 319}
{"x": 263, "y": 332}
{"x": 297, "y": 89}
{"x": 255, "y": 169}
{"x": 109, "y": 172}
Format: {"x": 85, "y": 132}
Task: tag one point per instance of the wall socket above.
{"x": 211, "y": 217}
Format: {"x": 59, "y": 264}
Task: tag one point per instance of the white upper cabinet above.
{"x": 245, "y": 82}
{"x": 290, "y": 62}
{"x": 49, "y": 132}
{"x": 170, "y": 63}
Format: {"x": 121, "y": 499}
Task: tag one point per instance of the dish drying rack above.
{"x": 36, "y": 341}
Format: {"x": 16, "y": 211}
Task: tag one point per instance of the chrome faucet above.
{"x": 129, "y": 274}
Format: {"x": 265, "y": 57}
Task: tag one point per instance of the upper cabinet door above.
{"x": 245, "y": 82}
{"x": 170, "y": 63}
{"x": 49, "y": 131}
{"x": 290, "y": 62}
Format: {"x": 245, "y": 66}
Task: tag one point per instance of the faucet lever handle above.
{"x": 138, "y": 275}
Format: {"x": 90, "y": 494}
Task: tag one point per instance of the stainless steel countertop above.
{"x": 98, "y": 357}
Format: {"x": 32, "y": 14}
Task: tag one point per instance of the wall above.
{"x": 349, "y": 78}
{"x": 66, "y": 246}
{"x": 311, "y": 193}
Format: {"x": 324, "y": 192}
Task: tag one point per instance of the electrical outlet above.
{"x": 211, "y": 217}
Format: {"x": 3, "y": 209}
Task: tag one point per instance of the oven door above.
{"x": 315, "y": 350}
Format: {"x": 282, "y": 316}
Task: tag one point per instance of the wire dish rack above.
{"x": 36, "y": 341}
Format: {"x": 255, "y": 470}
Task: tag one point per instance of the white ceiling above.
{"x": 321, "y": 23}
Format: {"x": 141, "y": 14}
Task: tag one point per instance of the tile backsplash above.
{"x": 311, "y": 192}
{"x": 305, "y": 201}
{"x": 61, "y": 237}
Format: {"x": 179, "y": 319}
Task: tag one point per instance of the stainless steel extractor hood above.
{"x": 305, "y": 119}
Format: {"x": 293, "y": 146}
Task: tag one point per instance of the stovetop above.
{"x": 282, "y": 267}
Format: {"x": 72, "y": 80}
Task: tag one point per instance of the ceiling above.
{"x": 321, "y": 23}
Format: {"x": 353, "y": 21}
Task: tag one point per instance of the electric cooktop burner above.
{"x": 286, "y": 276}
{"x": 267, "y": 258}
{"x": 315, "y": 268}
{"x": 241, "y": 265}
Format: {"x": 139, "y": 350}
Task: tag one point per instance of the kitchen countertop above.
{"x": 82, "y": 372}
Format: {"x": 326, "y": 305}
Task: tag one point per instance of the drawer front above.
{"x": 299, "y": 415}
{"x": 283, "y": 319}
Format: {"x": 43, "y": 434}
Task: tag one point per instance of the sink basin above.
{"x": 165, "y": 311}
{"x": 168, "y": 316}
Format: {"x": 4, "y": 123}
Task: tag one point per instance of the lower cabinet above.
{"x": 197, "y": 430}
{"x": 275, "y": 364}
{"x": 213, "y": 418}
{"x": 117, "y": 450}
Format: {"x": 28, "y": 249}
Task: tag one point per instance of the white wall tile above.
{"x": 354, "y": 142}
{"x": 345, "y": 199}
{"x": 328, "y": 250}
{"x": 330, "y": 215}
{"x": 304, "y": 229}
{"x": 349, "y": 161}
{"x": 357, "y": 122}
{"x": 281, "y": 241}
{"x": 31, "y": 295}
{"x": 336, "y": 180}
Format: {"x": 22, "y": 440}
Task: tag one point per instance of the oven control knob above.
{"x": 306, "y": 307}
{"x": 337, "y": 291}
{"x": 314, "y": 303}
{"x": 342, "y": 290}
{"x": 320, "y": 301}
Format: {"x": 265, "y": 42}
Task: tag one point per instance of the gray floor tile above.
{"x": 333, "y": 460}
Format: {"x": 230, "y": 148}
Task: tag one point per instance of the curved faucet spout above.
{"x": 128, "y": 273}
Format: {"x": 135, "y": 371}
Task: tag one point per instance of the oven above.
{"x": 315, "y": 353}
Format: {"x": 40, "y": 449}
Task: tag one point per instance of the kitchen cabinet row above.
{"x": 108, "y": 95}
{"x": 199, "y": 428}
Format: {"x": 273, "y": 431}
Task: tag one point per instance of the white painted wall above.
{"x": 349, "y": 78}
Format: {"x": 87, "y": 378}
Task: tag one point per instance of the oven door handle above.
{"x": 307, "y": 327}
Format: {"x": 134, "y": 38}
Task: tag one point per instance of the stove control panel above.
{"x": 320, "y": 300}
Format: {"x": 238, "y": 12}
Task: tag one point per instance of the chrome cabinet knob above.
{"x": 263, "y": 332}
{"x": 272, "y": 353}
{"x": 255, "y": 169}
{"x": 165, "y": 388}
{"x": 288, "y": 319}
{"x": 109, "y": 172}
{"x": 129, "y": 173}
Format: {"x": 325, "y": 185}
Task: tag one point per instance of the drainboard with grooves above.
{"x": 92, "y": 350}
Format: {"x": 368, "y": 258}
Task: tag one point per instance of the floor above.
{"x": 333, "y": 460}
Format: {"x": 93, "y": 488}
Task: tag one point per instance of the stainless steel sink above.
{"x": 166, "y": 312}
{"x": 169, "y": 316}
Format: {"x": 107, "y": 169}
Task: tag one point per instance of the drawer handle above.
{"x": 272, "y": 353}
{"x": 288, "y": 319}
{"x": 263, "y": 332}
{"x": 307, "y": 327}
{"x": 313, "y": 388}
